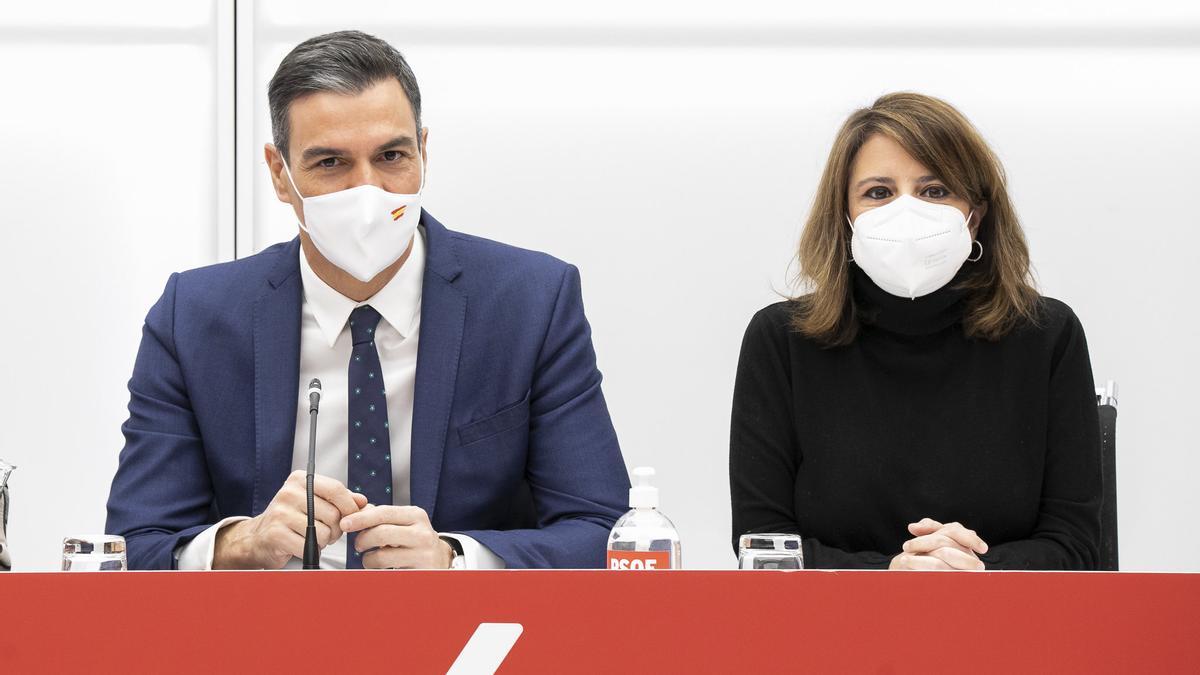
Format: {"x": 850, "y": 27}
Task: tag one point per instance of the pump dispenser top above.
{"x": 643, "y": 495}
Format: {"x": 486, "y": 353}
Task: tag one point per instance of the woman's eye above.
{"x": 879, "y": 192}
{"x": 936, "y": 192}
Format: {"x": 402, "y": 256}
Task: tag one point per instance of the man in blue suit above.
{"x": 462, "y": 422}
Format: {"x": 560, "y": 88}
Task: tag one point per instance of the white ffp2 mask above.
{"x": 910, "y": 247}
{"x": 363, "y": 229}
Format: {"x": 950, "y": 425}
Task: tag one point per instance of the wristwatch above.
{"x": 457, "y": 560}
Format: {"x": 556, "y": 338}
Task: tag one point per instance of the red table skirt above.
{"x": 599, "y": 622}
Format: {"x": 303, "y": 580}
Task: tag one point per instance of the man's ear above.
{"x": 425, "y": 145}
{"x": 280, "y": 182}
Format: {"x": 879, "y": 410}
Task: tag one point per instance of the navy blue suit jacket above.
{"x": 511, "y": 443}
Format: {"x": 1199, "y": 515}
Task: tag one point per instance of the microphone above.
{"x": 311, "y": 555}
{"x": 314, "y": 396}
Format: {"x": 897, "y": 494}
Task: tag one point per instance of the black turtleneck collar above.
{"x": 925, "y": 315}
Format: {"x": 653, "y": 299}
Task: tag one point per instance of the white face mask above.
{"x": 910, "y": 247}
{"x": 363, "y": 229}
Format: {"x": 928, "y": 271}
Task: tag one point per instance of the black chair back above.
{"x": 1107, "y": 402}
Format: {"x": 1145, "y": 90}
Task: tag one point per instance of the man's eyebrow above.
{"x": 323, "y": 151}
{"x": 397, "y": 142}
{"x": 320, "y": 151}
{"x": 875, "y": 179}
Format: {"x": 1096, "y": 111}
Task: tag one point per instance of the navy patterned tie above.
{"x": 370, "y": 460}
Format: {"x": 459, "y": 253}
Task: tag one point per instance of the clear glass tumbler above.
{"x": 770, "y": 551}
{"x": 94, "y": 553}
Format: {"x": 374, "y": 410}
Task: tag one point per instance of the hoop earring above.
{"x": 973, "y": 245}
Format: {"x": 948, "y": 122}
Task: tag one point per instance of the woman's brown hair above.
{"x": 1000, "y": 290}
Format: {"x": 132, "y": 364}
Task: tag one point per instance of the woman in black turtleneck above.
{"x": 922, "y": 407}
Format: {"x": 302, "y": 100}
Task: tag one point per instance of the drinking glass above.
{"x": 770, "y": 551}
{"x": 94, "y": 553}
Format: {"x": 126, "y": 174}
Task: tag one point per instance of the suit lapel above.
{"x": 276, "y": 375}
{"x": 443, "y": 317}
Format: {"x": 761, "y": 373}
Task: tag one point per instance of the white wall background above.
{"x": 107, "y": 124}
{"x": 670, "y": 151}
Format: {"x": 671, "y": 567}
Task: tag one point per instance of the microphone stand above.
{"x": 312, "y": 555}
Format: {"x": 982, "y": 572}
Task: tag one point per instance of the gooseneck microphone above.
{"x": 312, "y": 556}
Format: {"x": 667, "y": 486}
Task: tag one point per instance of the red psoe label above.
{"x": 639, "y": 560}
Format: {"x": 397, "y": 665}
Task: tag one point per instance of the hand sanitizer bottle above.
{"x": 643, "y": 539}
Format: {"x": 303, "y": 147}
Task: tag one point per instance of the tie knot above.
{"x": 363, "y": 321}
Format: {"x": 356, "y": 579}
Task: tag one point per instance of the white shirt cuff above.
{"x": 197, "y": 554}
{"x": 476, "y": 556}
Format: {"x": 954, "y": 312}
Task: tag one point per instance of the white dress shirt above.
{"x": 325, "y": 349}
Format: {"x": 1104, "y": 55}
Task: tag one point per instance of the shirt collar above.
{"x": 399, "y": 302}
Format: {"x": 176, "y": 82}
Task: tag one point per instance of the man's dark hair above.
{"x": 345, "y": 62}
